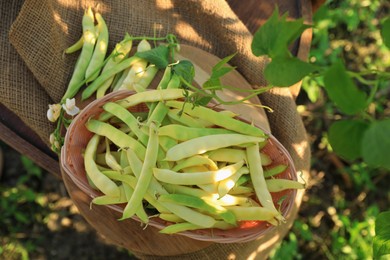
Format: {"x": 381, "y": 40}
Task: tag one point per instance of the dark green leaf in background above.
{"x": 385, "y": 32}
{"x": 345, "y": 137}
{"x": 343, "y": 91}
{"x": 376, "y": 144}
{"x": 381, "y": 243}
{"x": 286, "y": 71}
{"x": 275, "y": 35}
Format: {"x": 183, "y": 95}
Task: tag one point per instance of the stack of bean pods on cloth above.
{"x": 168, "y": 157}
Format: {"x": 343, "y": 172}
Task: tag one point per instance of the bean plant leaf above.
{"x": 185, "y": 69}
{"x": 345, "y": 137}
{"x": 286, "y": 71}
{"x": 381, "y": 242}
{"x": 218, "y": 71}
{"x": 343, "y": 91}
{"x": 158, "y": 56}
{"x": 385, "y": 32}
{"x": 275, "y": 35}
{"x": 376, "y": 144}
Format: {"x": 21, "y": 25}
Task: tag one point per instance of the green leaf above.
{"x": 345, "y": 137}
{"x": 343, "y": 91}
{"x": 223, "y": 62}
{"x": 276, "y": 34}
{"x": 286, "y": 71}
{"x": 185, "y": 69}
{"x": 157, "y": 56}
{"x": 218, "y": 71}
{"x": 385, "y": 32}
{"x": 376, "y": 144}
{"x": 381, "y": 243}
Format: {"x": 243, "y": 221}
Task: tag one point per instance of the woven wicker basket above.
{"x": 72, "y": 164}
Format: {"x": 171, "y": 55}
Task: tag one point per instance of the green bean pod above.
{"x": 132, "y": 181}
{"x": 276, "y": 185}
{"x": 137, "y": 70}
{"x": 104, "y": 184}
{"x": 195, "y": 178}
{"x": 89, "y": 39}
{"x": 202, "y": 205}
{"x": 275, "y": 170}
{"x": 170, "y": 217}
{"x": 141, "y": 213}
{"x": 100, "y": 50}
{"x": 75, "y": 47}
{"x": 90, "y": 89}
{"x": 184, "y": 133}
{"x": 107, "y": 200}
{"x": 227, "y": 184}
{"x": 229, "y": 155}
{"x": 146, "y": 174}
{"x": 258, "y": 180}
{"x": 217, "y": 118}
{"x": 184, "y": 119}
{"x": 147, "y": 77}
{"x": 179, "y": 227}
{"x": 119, "y": 53}
{"x": 207, "y": 143}
{"x": 193, "y": 161}
{"x": 119, "y": 138}
{"x": 111, "y": 160}
{"x": 253, "y": 213}
{"x": 159, "y": 112}
{"x": 128, "y": 118}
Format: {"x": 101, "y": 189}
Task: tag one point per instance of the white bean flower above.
{"x": 70, "y": 107}
{"x": 53, "y": 112}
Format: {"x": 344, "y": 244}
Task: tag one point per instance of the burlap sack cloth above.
{"x": 34, "y": 72}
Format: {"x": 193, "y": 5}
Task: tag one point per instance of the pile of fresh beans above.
{"x": 192, "y": 166}
{"x": 197, "y": 169}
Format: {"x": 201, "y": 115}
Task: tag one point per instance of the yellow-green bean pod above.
{"x": 196, "y": 178}
{"x": 208, "y": 143}
{"x": 102, "y": 182}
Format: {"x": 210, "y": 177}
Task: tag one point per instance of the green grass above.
{"x": 22, "y": 206}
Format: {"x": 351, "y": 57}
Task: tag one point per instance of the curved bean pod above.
{"x": 119, "y": 138}
{"x": 75, "y": 47}
{"x": 253, "y": 213}
{"x": 102, "y": 182}
{"x": 146, "y": 174}
{"x": 217, "y": 118}
{"x": 120, "y": 51}
{"x": 276, "y": 185}
{"x": 88, "y": 91}
{"x": 184, "y": 133}
{"x": 128, "y": 118}
{"x": 227, "y": 184}
{"x": 198, "y": 203}
{"x": 193, "y": 161}
{"x": 89, "y": 39}
{"x": 207, "y": 143}
{"x": 106, "y": 200}
{"x": 258, "y": 180}
{"x": 275, "y": 170}
{"x": 195, "y": 178}
{"x": 100, "y": 50}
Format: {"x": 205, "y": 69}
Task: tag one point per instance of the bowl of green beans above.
{"x": 196, "y": 171}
